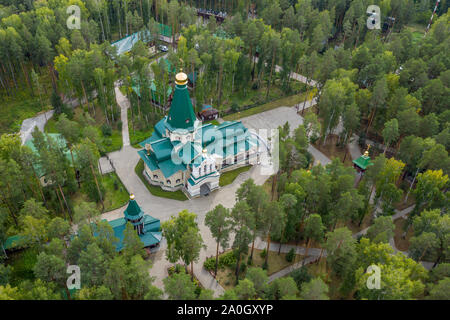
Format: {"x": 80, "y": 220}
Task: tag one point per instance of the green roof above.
{"x": 126, "y": 44}
{"x": 167, "y": 167}
{"x": 363, "y": 162}
{"x": 151, "y": 235}
{"x": 133, "y": 209}
{"x": 181, "y": 114}
{"x": 13, "y": 242}
{"x": 165, "y": 30}
{"x": 60, "y": 142}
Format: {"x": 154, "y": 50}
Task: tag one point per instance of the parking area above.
{"x": 274, "y": 118}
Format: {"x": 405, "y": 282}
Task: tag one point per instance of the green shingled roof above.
{"x": 363, "y": 162}
{"x": 133, "y": 210}
{"x": 151, "y": 236}
{"x": 181, "y": 114}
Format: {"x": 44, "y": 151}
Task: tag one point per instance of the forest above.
{"x": 387, "y": 88}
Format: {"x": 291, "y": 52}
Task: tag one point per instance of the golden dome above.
{"x": 366, "y": 153}
{"x": 181, "y": 78}
{"x": 132, "y": 196}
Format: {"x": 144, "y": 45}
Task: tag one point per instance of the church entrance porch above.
{"x": 205, "y": 189}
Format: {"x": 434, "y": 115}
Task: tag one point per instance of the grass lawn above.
{"x": 283, "y": 102}
{"x": 213, "y": 122}
{"x": 157, "y": 191}
{"x": 227, "y": 278}
{"x": 228, "y": 177}
{"x": 402, "y": 243}
{"x": 417, "y": 30}
{"x": 116, "y": 141}
{"x": 115, "y": 194}
{"x": 332, "y": 151}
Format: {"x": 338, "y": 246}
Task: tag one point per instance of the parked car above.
{"x": 163, "y": 48}
{"x": 208, "y": 113}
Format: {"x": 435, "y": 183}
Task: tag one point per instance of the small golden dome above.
{"x": 132, "y": 196}
{"x": 181, "y": 78}
{"x": 366, "y": 153}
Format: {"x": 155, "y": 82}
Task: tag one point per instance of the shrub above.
{"x": 265, "y": 266}
{"x": 290, "y": 255}
{"x": 106, "y": 130}
{"x": 119, "y": 125}
{"x": 227, "y": 259}
{"x": 263, "y": 253}
{"x": 209, "y": 264}
{"x": 175, "y": 269}
{"x": 67, "y": 111}
{"x": 107, "y": 141}
{"x": 301, "y": 276}
{"x": 235, "y": 107}
{"x": 243, "y": 267}
{"x": 198, "y": 290}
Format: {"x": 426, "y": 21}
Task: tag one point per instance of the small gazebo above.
{"x": 363, "y": 162}
{"x": 147, "y": 227}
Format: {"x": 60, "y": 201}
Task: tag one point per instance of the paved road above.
{"x": 353, "y": 147}
{"x": 124, "y": 105}
{"x": 28, "y": 124}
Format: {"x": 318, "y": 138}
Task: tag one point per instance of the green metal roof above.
{"x": 165, "y": 30}
{"x": 162, "y": 149}
{"x": 167, "y": 167}
{"x": 363, "y": 162}
{"x": 133, "y": 210}
{"x": 126, "y": 44}
{"x": 13, "y": 242}
{"x": 181, "y": 114}
{"x": 60, "y": 142}
{"x": 151, "y": 235}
